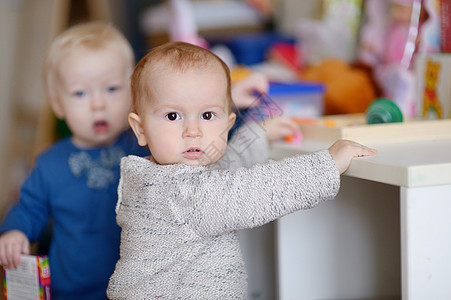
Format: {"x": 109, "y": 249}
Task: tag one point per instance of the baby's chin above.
{"x": 201, "y": 162}
{"x": 188, "y": 162}
{"x": 198, "y": 163}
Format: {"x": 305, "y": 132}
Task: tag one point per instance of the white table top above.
{"x": 407, "y": 164}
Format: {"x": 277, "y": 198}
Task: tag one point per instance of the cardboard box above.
{"x": 29, "y": 281}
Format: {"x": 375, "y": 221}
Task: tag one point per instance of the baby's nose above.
{"x": 192, "y": 129}
{"x": 98, "y": 101}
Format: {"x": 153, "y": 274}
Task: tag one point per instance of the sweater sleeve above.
{"x": 216, "y": 202}
{"x": 30, "y": 213}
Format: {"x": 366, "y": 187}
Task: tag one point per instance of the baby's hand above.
{"x": 343, "y": 151}
{"x": 243, "y": 91}
{"x": 280, "y": 127}
{"x": 12, "y": 244}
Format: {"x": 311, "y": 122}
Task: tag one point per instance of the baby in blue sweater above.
{"x": 74, "y": 182}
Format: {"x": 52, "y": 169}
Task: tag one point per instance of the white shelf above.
{"x": 418, "y": 163}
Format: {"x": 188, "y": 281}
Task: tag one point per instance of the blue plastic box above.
{"x": 298, "y": 99}
{"x": 251, "y": 48}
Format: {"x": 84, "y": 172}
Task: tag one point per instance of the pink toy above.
{"x": 295, "y": 139}
{"x": 389, "y": 44}
{"x": 372, "y": 35}
{"x": 430, "y": 31}
{"x": 389, "y": 35}
{"x": 182, "y": 26}
{"x": 398, "y": 31}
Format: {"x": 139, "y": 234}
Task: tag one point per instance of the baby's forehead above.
{"x": 169, "y": 69}
{"x": 91, "y": 48}
{"x": 79, "y": 51}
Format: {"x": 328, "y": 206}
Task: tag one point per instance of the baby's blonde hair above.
{"x": 93, "y": 35}
{"x": 177, "y": 57}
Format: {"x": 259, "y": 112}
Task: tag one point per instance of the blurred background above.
{"x": 27, "y": 27}
{"x": 27, "y": 125}
{"x": 322, "y": 57}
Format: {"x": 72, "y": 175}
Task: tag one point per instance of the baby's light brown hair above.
{"x": 92, "y": 35}
{"x": 172, "y": 57}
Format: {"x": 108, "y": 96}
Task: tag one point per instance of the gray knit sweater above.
{"x": 179, "y": 223}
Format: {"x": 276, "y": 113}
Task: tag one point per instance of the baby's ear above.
{"x": 136, "y": 124}
{"x": 232, "y": 119}
{"x": 55, "y": 103}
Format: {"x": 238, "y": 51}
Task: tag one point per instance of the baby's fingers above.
{"x": 361, "y": 150}
{"x": 343, "y": 151}
{"x": 12, "y": 245}
{"x": 7, "y": 257}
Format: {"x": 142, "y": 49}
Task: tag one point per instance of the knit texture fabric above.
{"x": 179, "y": 223}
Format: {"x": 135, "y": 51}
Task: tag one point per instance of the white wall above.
{"x": 26, "y": 123}
{"x": 289, "y": 11}
{"x": 24, "y": 39}
{"x": 8, "y": 32}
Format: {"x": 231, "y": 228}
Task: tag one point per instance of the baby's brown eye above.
{"x": 207, "y": 115}
{"x": 172, "y": 116}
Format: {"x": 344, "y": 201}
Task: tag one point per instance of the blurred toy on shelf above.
{"x": 433, "y": 78}
{"x": 286, "y": 54}
{"x": 182, "y": 24}
{"x": 445, "y": 26}
{"x": 334, "y": 36}
{"x": 204, "y": 18}
{"x": 400, "y": 12}
{"x": 384, "y": 34}
{"x": 433, "y": 63}
{"x": 295, "y": 139}
{"x": 265, "y": 7}
{"x": 430, "y": 95}
{"x": 383, "y": 110}
{"x": 298, "y": 99}
{"x": 430, "y": 31}
{"x": 348, "y": 89}
{"x": 252, "y": 48}
{"x": 388, "y": 44}
{"x": 372, "y": 34}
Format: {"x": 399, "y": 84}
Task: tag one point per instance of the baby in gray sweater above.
{"x": 180, "y": 209}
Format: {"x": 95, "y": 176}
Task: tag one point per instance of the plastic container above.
{"x": 251, "y": 48}
{"x": 299, "y": 99}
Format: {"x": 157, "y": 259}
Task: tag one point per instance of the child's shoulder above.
{"x": 56, "y": 155}
{"x": 57, "y": 149}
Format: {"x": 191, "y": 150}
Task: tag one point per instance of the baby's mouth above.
{"x": 193, "y": 153}
{"x": 101, "y": 126}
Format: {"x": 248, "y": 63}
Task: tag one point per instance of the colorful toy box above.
{"x": 29, "y": 281}
{"x": 433, "y": 83}
{"x": 298, "y": 99}
{"x": 251, "y": 48}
